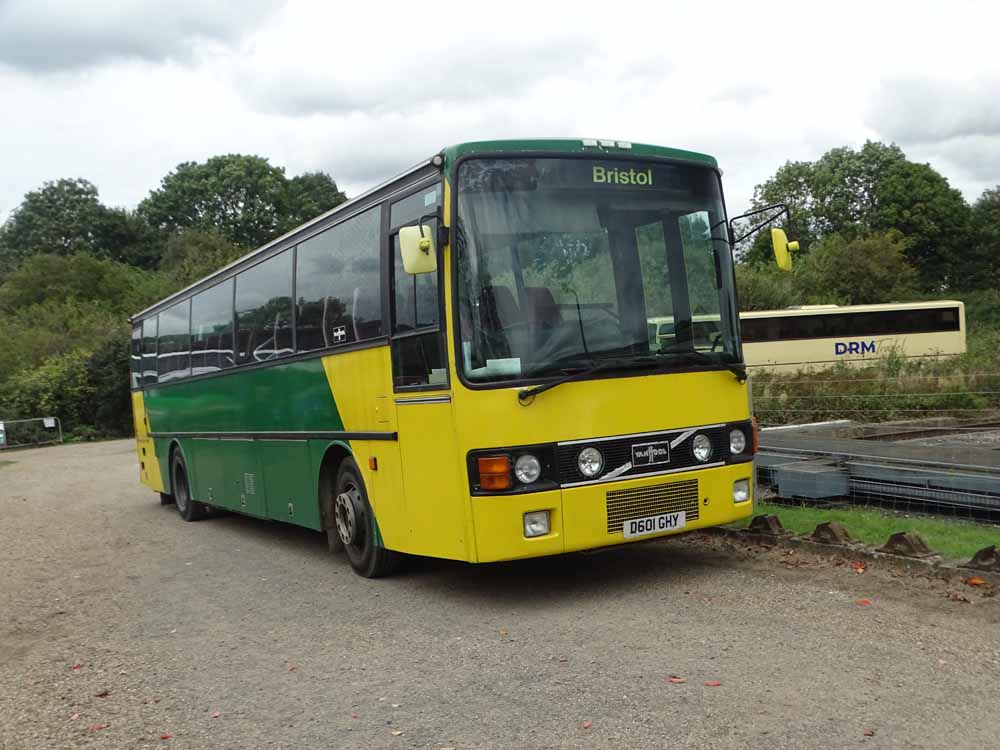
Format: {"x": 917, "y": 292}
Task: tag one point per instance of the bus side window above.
{"x": 135, "y": 357}
{"x": 212, "y": 329}
{"x": 264, "y": 310}
{"x": 149, "y": 374}
{"x": 338, "y": 284}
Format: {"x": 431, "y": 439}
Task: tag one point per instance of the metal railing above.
{"x": 30, "y": 432}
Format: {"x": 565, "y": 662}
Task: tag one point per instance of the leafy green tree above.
{"x": 853, "y": 193}
{"x": 56, "y": 387}
{"x": 60, "y": 218}
{"x": 243, "y": 198}
{"x": 117, "y": 288}
{"x": 66, "y": 217}
{"x": 35, "y": 333}
{"x": 193, "y": 254}
{"x": 857, "y": 271}
{"x": 765, "y": 288}
{"x": 979, "y": 269}
{"x": 107, "y": 373}
{"x": 309, "y": 195}
{"x": 125, "y": 237}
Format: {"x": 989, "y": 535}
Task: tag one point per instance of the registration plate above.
{"x": 654, "y": 524}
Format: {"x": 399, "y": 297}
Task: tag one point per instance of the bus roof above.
{"x": 595, "y": 146}
{"x": 600, "y": 147}
{"x": 822, "y": 309}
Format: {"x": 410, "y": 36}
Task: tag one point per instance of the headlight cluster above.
{"x": 502, "y": 471}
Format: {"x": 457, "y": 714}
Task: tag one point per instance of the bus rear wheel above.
{"x": 354, "y": 524}
{"x": 188, "y": 508}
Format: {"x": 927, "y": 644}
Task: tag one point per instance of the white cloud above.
{"x": 67, "y": 35}
{"x": 364, "y": 91}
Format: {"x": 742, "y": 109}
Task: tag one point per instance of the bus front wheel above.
{"x": 354, "y": 525}
{"x": 188, "y": 508}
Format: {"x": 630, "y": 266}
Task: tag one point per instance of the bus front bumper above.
{"x": 593, "y": 515}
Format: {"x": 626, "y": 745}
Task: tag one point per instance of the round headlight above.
{"x": 701, "y": 446}
{"x": 590, "y": 462}
{"x": 527, "y": 469}
{"x": 737, "y": 441}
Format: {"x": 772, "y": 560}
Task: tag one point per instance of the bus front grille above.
{"x": 641, "y": 502}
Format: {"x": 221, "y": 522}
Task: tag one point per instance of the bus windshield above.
{"x": 564, "y": 263}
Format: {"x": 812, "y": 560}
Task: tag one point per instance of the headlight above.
{"x": 527, "y": 468}
{"x": 590, "y": 462}
{"x": 737, "y": 441}
{"x": 701, "y": 446}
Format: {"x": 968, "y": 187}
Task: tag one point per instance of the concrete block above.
{"x": 907, "y": 544}
{"x": 831, "y": 532}
{"x": 988, "y": 559}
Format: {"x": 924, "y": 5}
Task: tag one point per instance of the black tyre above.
{"x": 188, "y": 508}
{"x": 354, "y": 525}
{"x": 166, "y": 499}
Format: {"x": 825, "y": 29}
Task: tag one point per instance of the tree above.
{"x": 67, "y": 217}
{"x": 858, "y": 271}
{"x": 243, "y": 198}
{"x": 125, "y": 237}
{"x": 309, "y": 195}
{"x": 853, "y": 193}
{"x": 765, "y": 288}
{"x": 117, "y": 288}
{"x": 60, "y": 218}
{"x": 194, "y": 254}
{"x": 979, "y": 269}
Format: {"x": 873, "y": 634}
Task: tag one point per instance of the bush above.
{"x": 87, "y": 390}
{"x": 765, "y": 288}
{"x": 862, "y": 271}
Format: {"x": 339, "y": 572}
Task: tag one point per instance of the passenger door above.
{"x": 432, "y": 481}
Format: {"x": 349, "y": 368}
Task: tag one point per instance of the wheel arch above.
{"x": 326, "y": 478}
{"x": 174, "y": 447}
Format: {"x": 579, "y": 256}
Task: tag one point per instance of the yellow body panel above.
{"x": 590, "y": 409}
{"x": 149, "y": 466}
{"x": 361, "y": 385}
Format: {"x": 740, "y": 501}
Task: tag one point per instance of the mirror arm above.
{"x": 442, "y": 230}
{"x": 779, "y": 208}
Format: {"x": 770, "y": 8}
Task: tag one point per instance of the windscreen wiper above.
{"x": 526, "y": 395}
{"x": 700, "y": 357}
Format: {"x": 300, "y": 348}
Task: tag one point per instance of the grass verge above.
{"x": 952, "y": 538}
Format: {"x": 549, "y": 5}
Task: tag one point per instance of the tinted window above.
{"x": 135, "y": 357}
{"x": 212, "y": 329}
{"x": 415, "y": 296}
{"x": 264, "y": 310}
{"x": 418, "y": 361}
{"x": 845, "y": 325}
{"x": 338, "y": 284}
{"x": 410, "y": 209}
{"x": 149, "y": 350}
{"x": 174, "y": 348}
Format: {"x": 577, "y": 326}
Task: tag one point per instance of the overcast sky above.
{"x": 121, "y": 91}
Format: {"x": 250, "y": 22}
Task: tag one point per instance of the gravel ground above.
{"x": 238, "y": 633}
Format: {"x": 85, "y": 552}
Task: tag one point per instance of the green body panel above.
{"x": 568, "y": 146}
{"x": 269, "y": 478}
{"x": 289, "y": 480}
{"x": 277, "y": 398}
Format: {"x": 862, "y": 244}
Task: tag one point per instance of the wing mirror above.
{"x": 416, "y": 246}
{"x": 783, "y": 249}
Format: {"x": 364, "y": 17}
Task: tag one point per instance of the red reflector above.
{"x": 754, "y": 430}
